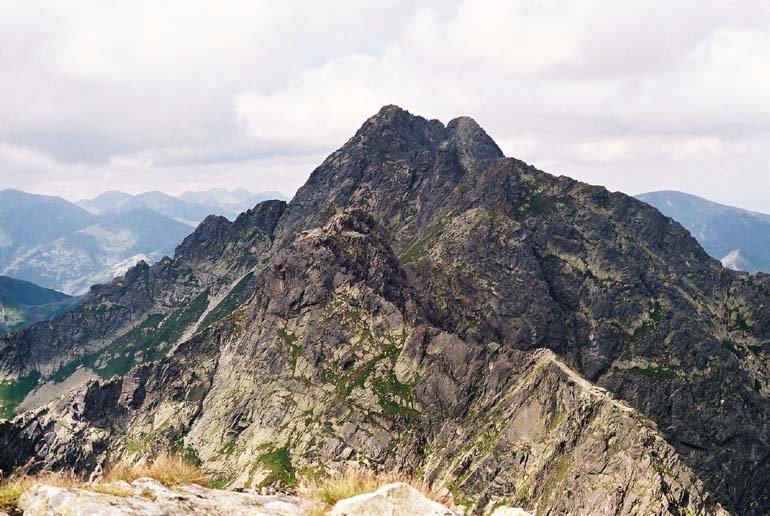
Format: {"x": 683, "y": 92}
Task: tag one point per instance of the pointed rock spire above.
{"x": 471, "y": 140}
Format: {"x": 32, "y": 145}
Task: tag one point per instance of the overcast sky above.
{"x": 177, "y": 95}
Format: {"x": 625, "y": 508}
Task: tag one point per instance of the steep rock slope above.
{"x": 740, "y": 239}
{"x": 377, "y": 345}
{"x": 329, "y": 361}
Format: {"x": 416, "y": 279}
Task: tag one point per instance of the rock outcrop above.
{"x": 426, "y": 305}
{"x": 394, "y": 500}
{"x": 146, "y": 497}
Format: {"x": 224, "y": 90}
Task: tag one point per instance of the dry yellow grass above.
{"x": 169, "y": 470}
{"x": 13, "y": 487}
{"x": 355, "y": 481}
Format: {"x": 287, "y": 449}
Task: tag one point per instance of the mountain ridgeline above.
{"x": 23, "y": 303}
{"x": 427, "y": 305}
{"x": 740, "y": 239}
{"x": 69, "y": 247}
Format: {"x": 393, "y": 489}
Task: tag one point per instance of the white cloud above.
{"x": 186, "y": 94}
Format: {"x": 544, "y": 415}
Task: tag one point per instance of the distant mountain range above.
{"x": 230, "y": 203}
{"x": 71, "y": 246}
{"x": 189, "y": 208}
{"x": 23, "y": 303}
{"x": 739, "y": 238}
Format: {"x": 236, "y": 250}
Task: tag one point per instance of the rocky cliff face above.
{"x": 427, "y": 305}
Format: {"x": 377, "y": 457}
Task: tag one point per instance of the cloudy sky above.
{"x": 177, "y": 95}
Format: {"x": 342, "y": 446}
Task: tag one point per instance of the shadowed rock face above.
{"x": 427, "y": 305}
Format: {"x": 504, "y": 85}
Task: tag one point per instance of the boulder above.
{"x": 396, "y": 499}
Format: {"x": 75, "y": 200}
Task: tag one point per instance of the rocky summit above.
{"x": 427, "y": 306}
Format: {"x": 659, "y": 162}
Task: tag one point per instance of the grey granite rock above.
{"x": 426, "y": 305}
{"x": 145, "y": 497}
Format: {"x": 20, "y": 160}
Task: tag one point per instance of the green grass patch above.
{"x": 393, "y": 396}
{"x": 134, "y": 447}
{"x": 146, "y": 342}
{"x": 278, "y": 463}
{"x": 190, "y": 456}
{"x": 229, "y": 303}
{"x": 655, "y": 373}
{"x": 738, "y": 322}
{"x": 13, "y": 392}
{"x": 734, "y": 348}
{"x": 535, "y": 204}
{"x": 117, "y": 357}
{"x": 643, "y": 330}
{"x": 229, "y": 448}
{"x": 222, "y": 482}
{"x": 347, "y": 383}
{"x": 655, "y": 311}
{"x": 417, "y": 250}
{"x": 651, "y": 324}
{"x": 143, "y": 444}
{"x": 375, "y": 373}
{"x": 173, "y": 327}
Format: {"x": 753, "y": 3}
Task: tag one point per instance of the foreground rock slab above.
{"x": 149, "y": 498}
{"x": 396, "y": 499}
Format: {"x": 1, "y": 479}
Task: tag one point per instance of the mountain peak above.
{"x": 471, "y": 140}
{"x": 395, "y": 129}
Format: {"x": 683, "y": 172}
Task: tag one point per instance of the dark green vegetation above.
{"x": 120, "y": 355}
{"x": 655, "y": 373}
{"x": 146, "y": 342}
{"x": 278, "y": 463}
{"x": 23, "y": 303}
{"x": 377, "y": 373}
{"x": 13, "y": 392}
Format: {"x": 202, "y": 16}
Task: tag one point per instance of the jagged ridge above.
{"x": 491, "y": 253}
